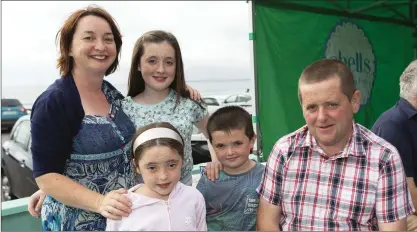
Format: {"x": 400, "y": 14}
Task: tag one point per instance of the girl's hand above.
{"x": 35, "y": 203}
{"x": 194, "y": 94}
{"x": 213, "y": 169}
{"x": 114, "y": 205}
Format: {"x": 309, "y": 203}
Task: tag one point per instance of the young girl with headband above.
{"x": 161, "y": 202}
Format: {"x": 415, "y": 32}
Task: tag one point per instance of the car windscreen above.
{"x": 10, "y": 102}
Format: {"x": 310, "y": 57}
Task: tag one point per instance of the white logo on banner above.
{"x": 349, "y": 44}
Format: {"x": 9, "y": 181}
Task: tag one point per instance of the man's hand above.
{"x": 400, "y": 225}
{"x": 35, "y": 203}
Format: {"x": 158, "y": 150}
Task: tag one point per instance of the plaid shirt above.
{"x": 353, "y": 190}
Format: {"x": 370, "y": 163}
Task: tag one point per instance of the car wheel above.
{"x": 6, "y": 190}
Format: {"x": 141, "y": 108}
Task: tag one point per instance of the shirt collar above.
{"x": 406, "y": 106}
{"x": 354, "y": 147}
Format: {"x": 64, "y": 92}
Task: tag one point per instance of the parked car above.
{"x": 211, "y": 101}
{"x": 11, "y": 111}
{"x": 243, "y": 100}
{"x": 200, "y": 152}
{"x": 16, "y": 166}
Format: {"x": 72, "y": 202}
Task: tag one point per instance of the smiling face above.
{"x": 160, "y": 167}
{"x": 329, "y": 113}
{"x": 93, "y": 48}
{"x": 233, "y": 149}
{"x": 157, "y": 65}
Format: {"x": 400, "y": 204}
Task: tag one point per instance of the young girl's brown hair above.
{"x": 136, "y": 152}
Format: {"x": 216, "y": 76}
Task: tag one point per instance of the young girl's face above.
{"x": 160, "y": 167}
{"x": 157, "y": 65}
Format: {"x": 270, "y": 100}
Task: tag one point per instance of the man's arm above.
{"x": 268, "y": 216}
{"x": 413, "y": 192}
{"x": 400, "y": 225}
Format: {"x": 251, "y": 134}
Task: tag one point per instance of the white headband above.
{"x": 156, "y": 133}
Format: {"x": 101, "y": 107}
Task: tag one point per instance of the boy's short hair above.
{"x": 230, "y": 118}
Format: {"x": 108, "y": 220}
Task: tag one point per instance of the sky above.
{"x": 213, "y": 35}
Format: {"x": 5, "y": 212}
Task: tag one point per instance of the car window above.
{"x": 211, "y": 101}
{"x": 22, "y": 134}
{"x": 230, "y": 99}
{"x": 10, "y": 102}
{"x": 244, "y": 98}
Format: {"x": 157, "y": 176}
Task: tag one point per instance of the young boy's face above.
{"x": 232, "y": 149}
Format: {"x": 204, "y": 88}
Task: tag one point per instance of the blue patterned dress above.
{"x": 100, "y": 161}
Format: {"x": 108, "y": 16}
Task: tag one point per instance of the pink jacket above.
{"x": 185, "y": 210}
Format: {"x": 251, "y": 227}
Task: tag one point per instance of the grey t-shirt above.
{"x": 232, "y": 200}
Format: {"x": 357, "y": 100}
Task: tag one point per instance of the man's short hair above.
{"x": 230, "y": 118}
{"x": 408, "y": 81}
{"x": 325, "y": 69}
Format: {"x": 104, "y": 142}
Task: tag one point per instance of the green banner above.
{"x": 288, "y": 40}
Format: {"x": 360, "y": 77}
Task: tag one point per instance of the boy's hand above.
{"x": 213, "y": 169}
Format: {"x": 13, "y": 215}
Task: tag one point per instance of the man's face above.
{"x": 329, "y": 113}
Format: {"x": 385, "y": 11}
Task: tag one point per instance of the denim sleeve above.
{"x": 50, "y": 131}
{"x": 396, "y": 135}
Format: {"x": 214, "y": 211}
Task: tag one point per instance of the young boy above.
{"x": 232, "y": 200}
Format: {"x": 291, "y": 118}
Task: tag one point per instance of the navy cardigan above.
{"x": 55, "y": 120}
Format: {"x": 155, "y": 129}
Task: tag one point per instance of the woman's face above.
{"x": 93, "y": 47}
{"x": 157, "y": 65}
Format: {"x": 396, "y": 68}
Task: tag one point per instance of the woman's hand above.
{"x": 35, "y": 203}
{"x": 114, "y": 205}
{"x": 194, "y": 94}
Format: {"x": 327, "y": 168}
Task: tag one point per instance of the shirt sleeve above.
{"x": 198, "y": 111}
{"x": 396, "y": 135}
{"x": 393, "y": 200}
{"x": 50, "y": 131}
{"x": 201, "y": 213}
{"x": 271, "y": 186}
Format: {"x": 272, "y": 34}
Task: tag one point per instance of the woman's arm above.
{"x": 113, "y": 205}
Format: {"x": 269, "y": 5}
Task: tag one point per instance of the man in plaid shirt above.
{"x": 332, "y": 174}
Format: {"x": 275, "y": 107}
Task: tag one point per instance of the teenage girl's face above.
{"x": 157, "y": 66}
{"x": 93, "y": 47}
{"x": 160, "y": 167}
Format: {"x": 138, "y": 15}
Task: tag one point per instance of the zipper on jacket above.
{"x": 169, "y": 214}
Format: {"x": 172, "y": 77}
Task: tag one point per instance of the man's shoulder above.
{"x": 289, "y": 142}
{"x": 376, "y": 143}
{"x": 393, "y": 116}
